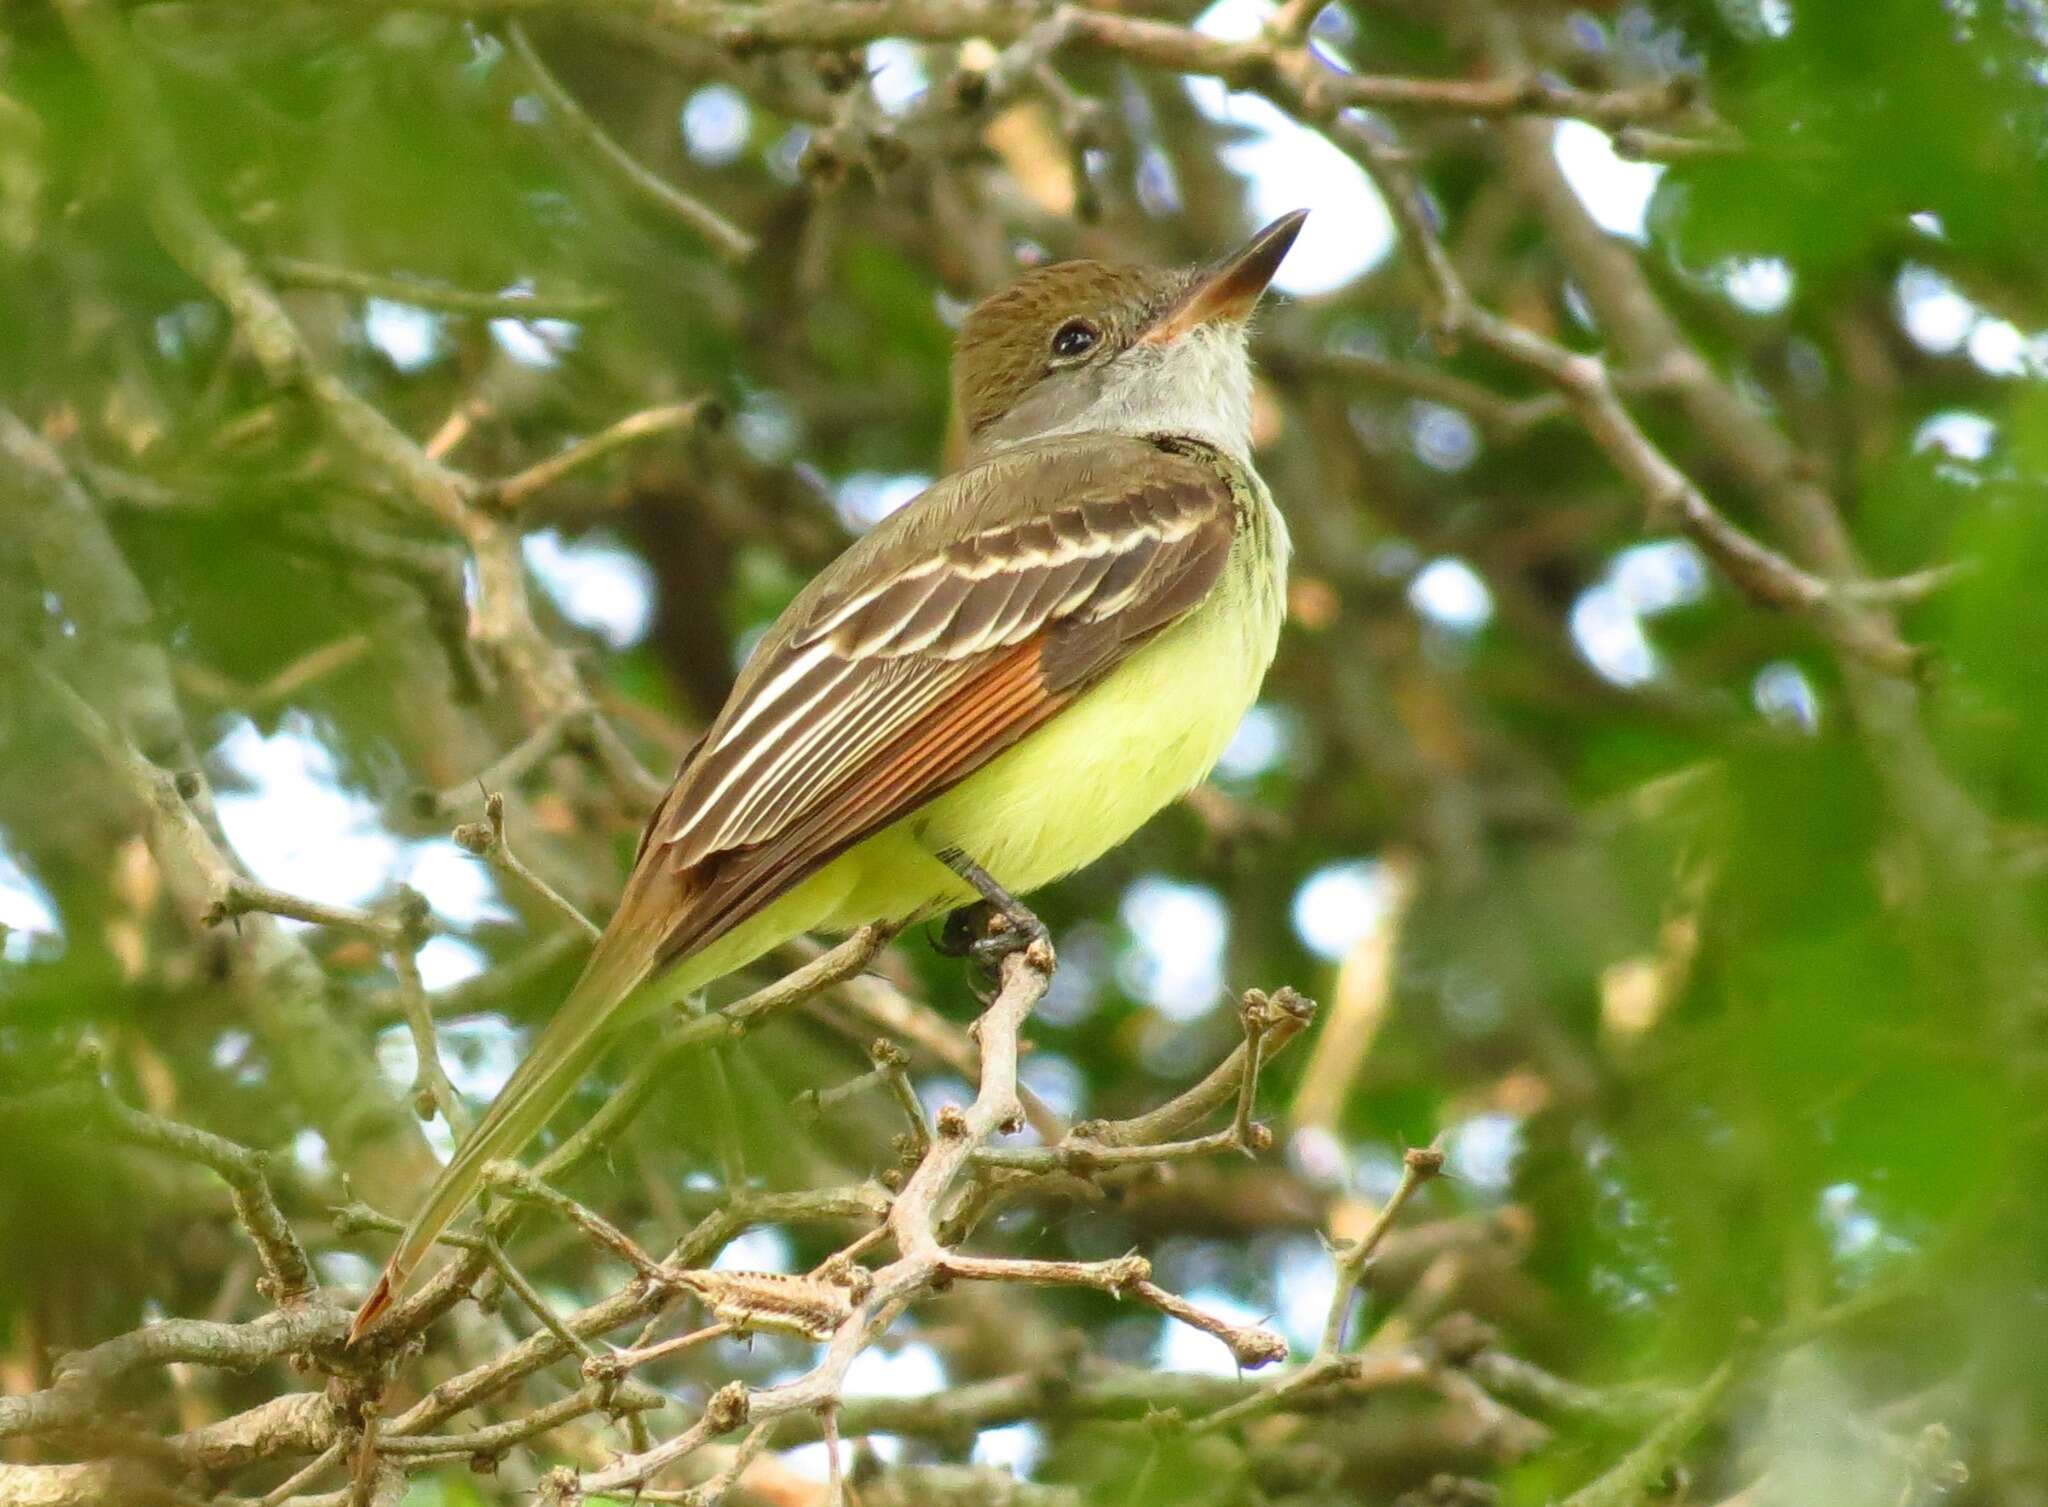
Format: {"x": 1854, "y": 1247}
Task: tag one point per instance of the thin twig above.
{"x": 715, "y": 1490}
{"x": 510, "y": 1178}
{"x": 835, "y": 1479}
{"x": 514, "y": 491}
{"x": 427, "y": 293}
{"x": 530, "y": 1296}
{"x": 644, "y": 1355}
{"x": 1289, "y": 1014}
{"x": 1323, "y": 1373}
{"x": 288, "y": 1276}
{"x": 242, "y": 897}
{"x": 486, "y": 839}
{"x": 352, "y": 1218}
{"x": 486, "y": 1442}
{"x": 432, "y": 1089}
{"x": 1250, "y": 1345}
{"x": 1641, "y": 143}
{"x": 302, "y": 672}
{"x": 1418, "y": 1165}
{"x": 507, "y": 770}
{"x": 724, "y": 237}
{"x": 1331, "y": 1363}
{"x": 728, "y": 1408}
{"x": 889, "y": 1073}
{"x": 293, "y": 1483}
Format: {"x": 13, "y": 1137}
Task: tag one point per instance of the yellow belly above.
{"x": 1093, "y": 775}
{"x": 1067, "y": 794}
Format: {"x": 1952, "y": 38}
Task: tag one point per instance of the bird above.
{"x": 989, "y": 690}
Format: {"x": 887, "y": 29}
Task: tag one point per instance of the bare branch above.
{"x": 1250, "y": 1345}
{"x": 426, "y": 293}
{"x": 486, "y": 839}
{"x": 243, "y": 897}
{"x": 295, "y": 1423}
{"x": 724, "y": 237}
{"x": 512, "y": 1179}
{"x": 515, "y": 491}
{"x": 288, "y": 1276}
{"x": 890, "y": 1073}
{"x": 302, "y": 672}
{"x": 1331, "y": 1363}
{"x": 508, "y": 769}
{"x": 1418, "y": 1166}
{"x": 1642, "y": 143}
{"x": 487, "y": 1443}
{"x": 284, "y": 987}
{"x": 1284, "y": 1015}
{"x": 513, "y": 1278}
{"x": 1105, "y": 1392}
{"x": 71, "y": 1400}
{"x": 1524, "y": 1385}
{"x": 431, "y": 1087}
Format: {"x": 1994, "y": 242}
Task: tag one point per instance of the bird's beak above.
{"x": 1228, "y": 291}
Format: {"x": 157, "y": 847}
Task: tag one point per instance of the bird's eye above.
{"x": 1075, "y": 338}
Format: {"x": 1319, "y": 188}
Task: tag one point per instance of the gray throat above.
{"x": 1200, "y": 386}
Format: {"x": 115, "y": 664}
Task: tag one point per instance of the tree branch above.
{"x": 486, "y": 839}
{"x": 83, "y": 1376}
{"x": 425, "y": 293}
{"x": 512, "y": 493}
{"x": 724, "y": 237}
{"x": 287, "y": 1275}
{"x": 280, "y": 983}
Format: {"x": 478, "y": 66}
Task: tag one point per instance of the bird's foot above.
{"x": 994, "y": 928}
{"x": 1003, "y": 933}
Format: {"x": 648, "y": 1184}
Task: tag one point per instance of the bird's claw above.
{"x": 1004, "y": 933}
{"x": 985, "y": 933}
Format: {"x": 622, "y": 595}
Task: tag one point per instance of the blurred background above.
{"x": 1708, "y": 947}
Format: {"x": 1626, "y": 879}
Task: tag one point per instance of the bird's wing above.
{"x": 910, "y": 667}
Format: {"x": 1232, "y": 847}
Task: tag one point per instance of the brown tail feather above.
{"x": 373, "y": 1308}
{"x": 564, "y": 1052}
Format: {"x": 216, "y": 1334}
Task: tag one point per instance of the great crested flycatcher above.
{"x": 996, "y": 685}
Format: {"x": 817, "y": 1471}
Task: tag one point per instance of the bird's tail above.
{"x": 560, "y": 1057}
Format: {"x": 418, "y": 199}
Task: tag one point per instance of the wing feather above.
{"x": 988, "y": 613}
{"x": 877, "y": 697}
{"x": 864, "y": 727}
{"x": 1053, "y": 589}
{"x": 939, "y": 609}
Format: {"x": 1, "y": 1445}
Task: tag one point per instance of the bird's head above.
{"x": 1139, "y": 350}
